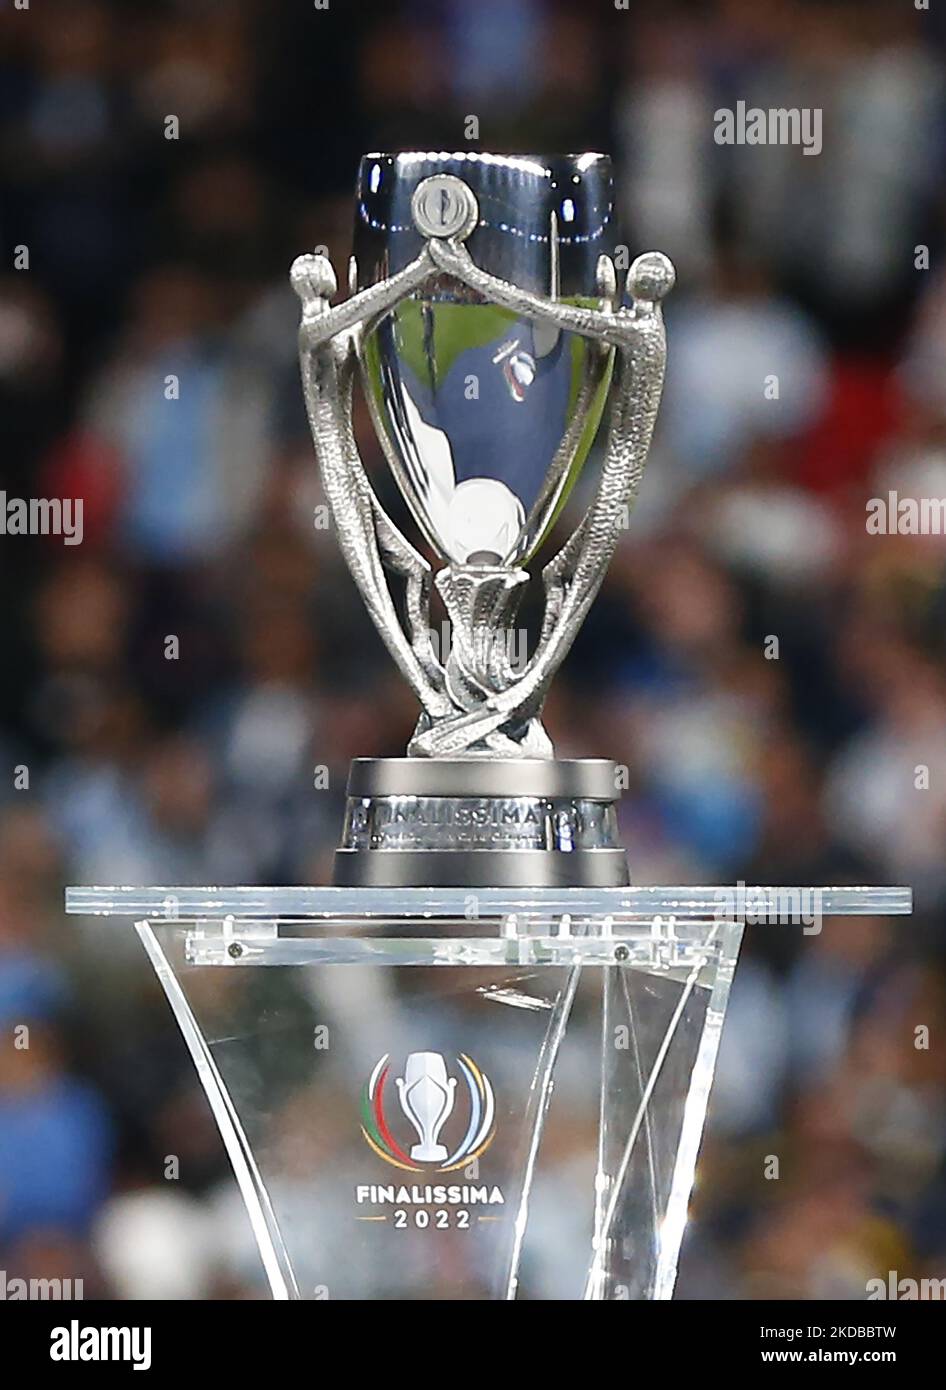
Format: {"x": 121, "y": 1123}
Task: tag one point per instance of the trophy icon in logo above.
{"x": 426, "y": 1095}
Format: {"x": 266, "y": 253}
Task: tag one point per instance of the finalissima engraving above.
{"x": 487, "y": 823}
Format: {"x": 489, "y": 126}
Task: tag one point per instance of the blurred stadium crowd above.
{"x": 151, "y": 256}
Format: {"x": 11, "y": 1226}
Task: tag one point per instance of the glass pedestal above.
{"x": 443, "y": 1093}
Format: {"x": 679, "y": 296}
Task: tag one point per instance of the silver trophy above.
{"x": 490, "y": 329}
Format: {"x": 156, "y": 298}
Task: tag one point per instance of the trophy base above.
{"x": 475, "y": 823}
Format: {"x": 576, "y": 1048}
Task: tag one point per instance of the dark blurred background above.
{"x": 150, "y": 256}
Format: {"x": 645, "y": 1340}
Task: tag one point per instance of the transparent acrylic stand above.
{"x": 443, "y": 1093}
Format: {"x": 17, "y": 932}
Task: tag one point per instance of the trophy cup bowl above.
{"x": 487, "y": 326}
{"x": 472, "y": 402}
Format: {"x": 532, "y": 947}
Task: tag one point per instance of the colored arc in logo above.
{"x": 374, "y": 1125}
{"x": 480, "y": 1130}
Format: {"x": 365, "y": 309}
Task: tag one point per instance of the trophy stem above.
{"x": 481, "y": 603}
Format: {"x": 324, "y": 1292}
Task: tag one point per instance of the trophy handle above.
{"x": 574, "y": 575}
{"x": 649, "y": 279}
{"x": 369, "y": 539}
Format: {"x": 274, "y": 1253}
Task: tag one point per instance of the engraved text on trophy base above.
{"x": 492, "y": 823}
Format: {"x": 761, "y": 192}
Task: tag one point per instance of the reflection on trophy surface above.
{"x": 426, "y": 1095}
{"x": 490, "y": 331}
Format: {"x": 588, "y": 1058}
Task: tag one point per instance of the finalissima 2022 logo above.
{"x": 427, "y": 1096}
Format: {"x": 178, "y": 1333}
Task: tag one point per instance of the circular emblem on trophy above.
{"x": 425, "y": 1117}
{"x": 444, "y": 206}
